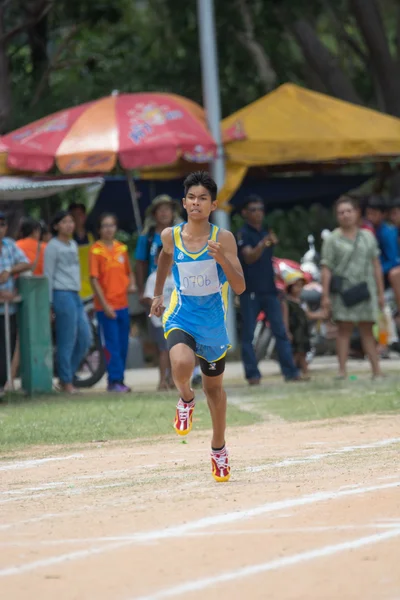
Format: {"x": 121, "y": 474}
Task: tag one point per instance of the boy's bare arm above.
{"x": 225, "y": 254}
{"x": 163, "y": 268}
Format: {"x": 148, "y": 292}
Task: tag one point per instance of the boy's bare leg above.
{"x": 182, "y": 365}
{"x": 216, "y": 400}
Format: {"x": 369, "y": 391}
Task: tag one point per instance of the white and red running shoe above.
{"x": 221, "y": 470}
{"x": 184, "y": 417}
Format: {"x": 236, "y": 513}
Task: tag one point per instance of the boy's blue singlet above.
{"x": 200, "y": 299}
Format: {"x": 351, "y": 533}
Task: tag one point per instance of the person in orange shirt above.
{"x": 112, "y": 278}
{"x": 30, "y": 244}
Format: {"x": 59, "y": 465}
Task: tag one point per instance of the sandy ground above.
{"x": 312, "y": 511}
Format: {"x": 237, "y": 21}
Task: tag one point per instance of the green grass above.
{"x": 92, "y": 418}
{"x": 326, "y": 399}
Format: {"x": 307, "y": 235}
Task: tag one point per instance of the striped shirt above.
{"x": 10, "y": 255}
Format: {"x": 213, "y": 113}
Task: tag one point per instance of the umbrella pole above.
{"x": 135, "y": 203}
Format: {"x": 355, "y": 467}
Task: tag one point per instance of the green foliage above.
{"x": 292, "y": 237}
{"x": 96, "y": 47}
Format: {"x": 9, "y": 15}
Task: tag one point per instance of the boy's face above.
{"x": 198, "y": 203}
{"x": 395, "y": 216}
{"x": 375, "y": 216}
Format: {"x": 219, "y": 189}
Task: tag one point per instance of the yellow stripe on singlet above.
{"x": 179, "y": 244}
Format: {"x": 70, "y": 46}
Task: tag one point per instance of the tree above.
{"x": 57, "y": 54}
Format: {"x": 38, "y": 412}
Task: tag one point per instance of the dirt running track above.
{"x": 312, "y": 511}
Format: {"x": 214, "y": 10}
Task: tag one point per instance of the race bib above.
{"x": 198, "y": 278}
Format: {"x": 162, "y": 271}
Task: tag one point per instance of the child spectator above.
{"x": 112, "y": 279}
{"x": 31, "y": 245}
{"x": 297, "y": 321}
{"x": 156, "y": 326}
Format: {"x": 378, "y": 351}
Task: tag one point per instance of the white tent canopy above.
{"x": 28, "y": 188}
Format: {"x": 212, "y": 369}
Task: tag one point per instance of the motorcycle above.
{"x": 93, "y": 366}
{"x": 322, "y": 332}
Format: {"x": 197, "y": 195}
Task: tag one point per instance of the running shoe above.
{"x": 221, "y": 470}
{"x": 184, "y": 417}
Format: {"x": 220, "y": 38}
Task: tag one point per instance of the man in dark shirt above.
{"x": 255, "y": 245}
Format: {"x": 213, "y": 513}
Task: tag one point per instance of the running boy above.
{"x": 205, "y": 263}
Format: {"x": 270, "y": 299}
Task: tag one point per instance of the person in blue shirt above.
{"x": 394, "y": 215}
{"x": 12, "y": 262}
{"x": 256, "y": 245}
{"x": 163, "y": 212}
{"x": 387, "y": 236}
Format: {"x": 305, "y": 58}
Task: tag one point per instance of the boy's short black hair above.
{"x": 201, "y": 178}
{"x": 27, "y": 226}
{"x": 377, "y": 203}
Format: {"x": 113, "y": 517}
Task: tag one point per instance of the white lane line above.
{"x": 212, "y": 533}
{"x": 273, "y": 565}
{"x": 288, "y": 462}
{"x": 102, "y": 475}
{"x": 27, "y": 464}
{"x": 204, "y": 523}
{"x": 71, "y": 491}
{"x": 114, "y": 503}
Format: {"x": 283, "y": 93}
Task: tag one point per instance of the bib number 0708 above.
{"x": 195, "y": 281}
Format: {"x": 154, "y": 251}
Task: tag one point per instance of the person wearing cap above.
{"x": 61, "y": 267}
{"x": 256, "y": 244}
{"x": 297, "y": 321}
{"x": 12, "y": 262}
{"x": 163, "y": 212}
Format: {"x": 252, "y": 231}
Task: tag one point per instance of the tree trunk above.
{"x": 323, "y": 62}
{"x": 387, "y": 72}
{"x": 246, "y": 37}
{"x": 37, "y": 35}
{"x": 5, "y": 83}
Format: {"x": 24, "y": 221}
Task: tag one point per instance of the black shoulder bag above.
{"x": 356, "y": 293}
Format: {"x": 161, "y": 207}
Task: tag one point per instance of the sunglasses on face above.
{"x": 253, "y": 209}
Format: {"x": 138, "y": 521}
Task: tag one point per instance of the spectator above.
{"x": 163, "y": 212}
{"x": 156, "y": 327}
{"x": 31, "y": 245}
{"x": 45, "y": 235}
{"x": 350, "y": 258}
{"x": 255, "y": 252}
{"x": 297, "y": 321}
{"x": 111, "y": 278}
{"x": 387, "y": 236}
{"x": 12, "y": 262}
{"x": 61, "y": 267}
{"x": 84, "y": 239}
{"x": 394, "y": 215}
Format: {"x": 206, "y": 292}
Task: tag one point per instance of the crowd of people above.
{"x": 359, "y": 259}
